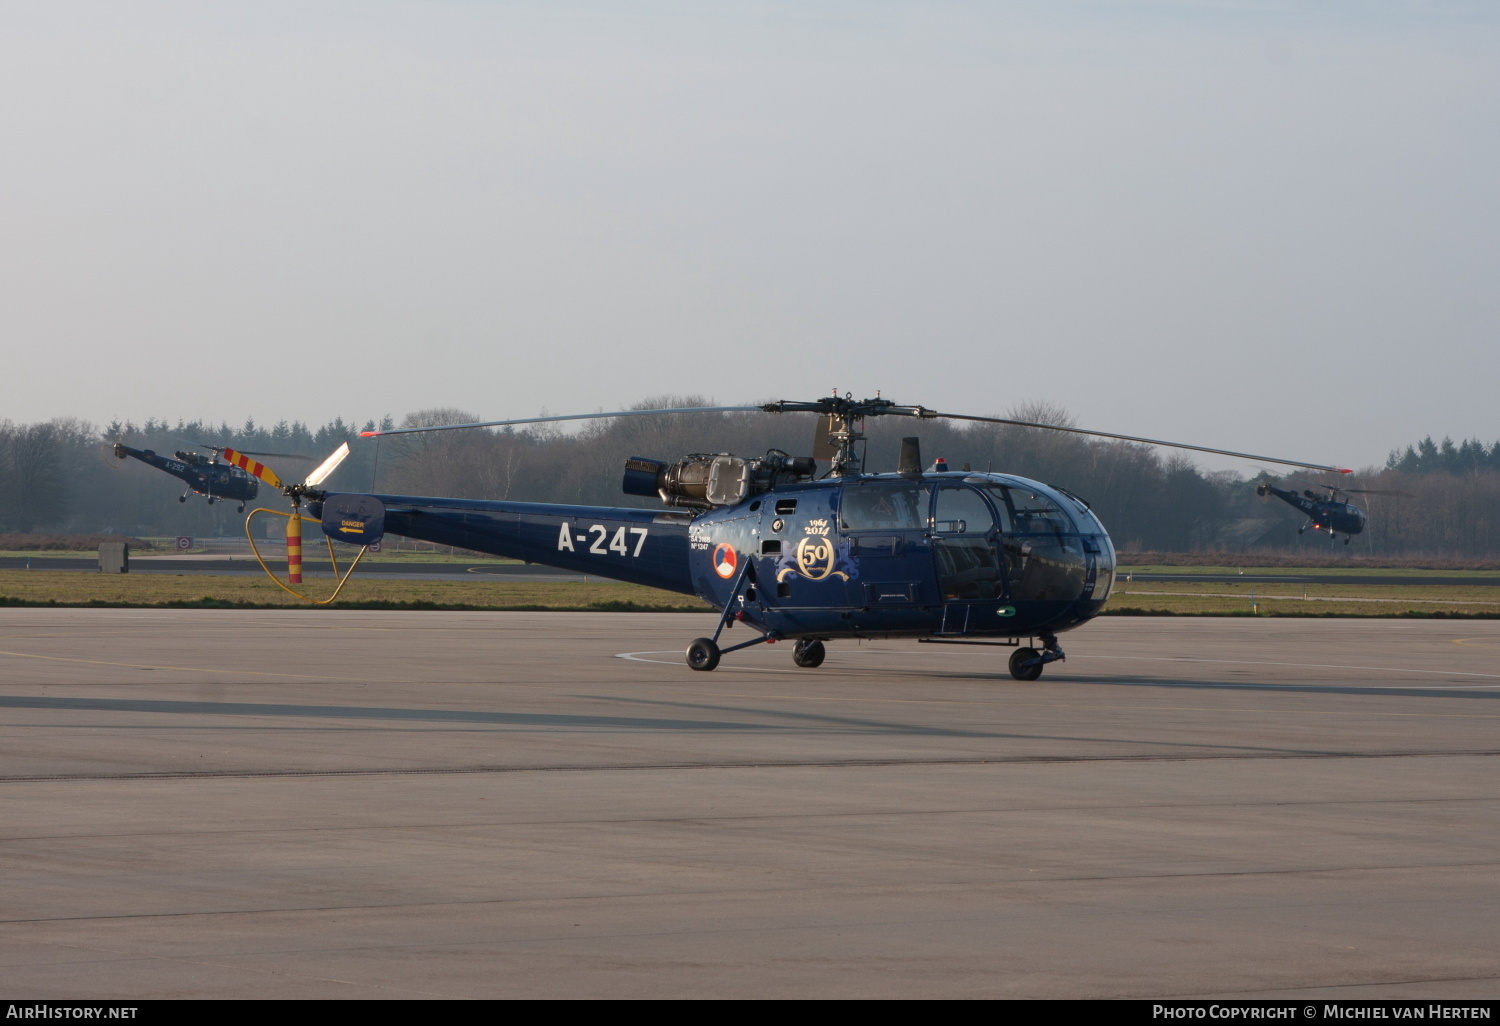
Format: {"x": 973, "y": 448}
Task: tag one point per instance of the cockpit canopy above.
{"x": 1051, "y": 543}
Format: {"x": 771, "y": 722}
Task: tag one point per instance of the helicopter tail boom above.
{"x": 638, "y": 546}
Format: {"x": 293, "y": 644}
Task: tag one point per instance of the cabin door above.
{"x": 965, "y": 549}
{"x": 884, "y": 526}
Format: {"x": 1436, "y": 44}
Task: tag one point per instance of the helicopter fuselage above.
{"x": 215, "y": 480}
{"x": 887, "y": 555}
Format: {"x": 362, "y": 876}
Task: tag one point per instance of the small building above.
{"x": 114, "y": 557}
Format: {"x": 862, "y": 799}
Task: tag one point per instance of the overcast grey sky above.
{"x": 1264, "y": 226}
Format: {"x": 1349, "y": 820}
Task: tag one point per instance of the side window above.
{"x": 961, "y": 511}
{"x": 882, "y": 506}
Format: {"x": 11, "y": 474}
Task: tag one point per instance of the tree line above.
{"x": 1429, "y": 457}
{"x": 1433, "y": 499}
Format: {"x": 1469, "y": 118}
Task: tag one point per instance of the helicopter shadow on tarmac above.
{"x": 353, "y": 712}
{"x": 484, "y": 717}
{"x": 693, "y": 721}
{"x": 804, "y": 722}
{"x": 1155, "y": 744}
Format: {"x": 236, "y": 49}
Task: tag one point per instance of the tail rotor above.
{"x": 304, "y": 489}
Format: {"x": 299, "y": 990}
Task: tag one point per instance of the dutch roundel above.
{"x": 726, "y": 561}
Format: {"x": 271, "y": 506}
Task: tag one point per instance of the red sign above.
{"x": 184, "y": 542}
{"x": 726, "y": 561}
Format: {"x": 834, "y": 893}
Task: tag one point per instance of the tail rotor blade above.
{"x": 327, "y": 467}
{"x": 251, "y": 467}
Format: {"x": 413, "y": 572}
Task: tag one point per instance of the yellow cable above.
{"x": 272, "y": 574}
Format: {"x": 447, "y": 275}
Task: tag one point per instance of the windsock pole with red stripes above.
{"x": 294, "y": 547}
{"x": 293, "y": 526}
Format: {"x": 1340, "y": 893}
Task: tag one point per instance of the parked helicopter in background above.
{"x": 205, "y": 475}
{"x": 1325, "y": 511}
{"x": 941, "y": 556}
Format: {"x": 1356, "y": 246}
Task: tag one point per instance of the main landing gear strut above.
{"x": 704, "y": 653}
{"x": 1027, "y": 663}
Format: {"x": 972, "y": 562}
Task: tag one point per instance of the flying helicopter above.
{"x": 1325, "y": 510}
{"x": 206, "y": 475}
{"x": 946, "y": 557}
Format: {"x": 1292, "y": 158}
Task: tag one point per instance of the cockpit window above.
{"x": 1083, "y": 514}
{"x": 1028, "y": 512}
{"x": 883, "y": 505}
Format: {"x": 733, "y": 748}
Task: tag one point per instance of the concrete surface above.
{"x": 373, "y": 804}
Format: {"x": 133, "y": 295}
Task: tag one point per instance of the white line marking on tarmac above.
{"x": 681, "y": 660}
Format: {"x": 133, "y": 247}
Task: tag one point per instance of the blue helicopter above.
{"x": 943, "y": 556}
{"x": 205, "y": 475}
{"x": 1325, "y": 511}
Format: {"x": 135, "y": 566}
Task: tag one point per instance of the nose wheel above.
{"x": 1027, "y": 663}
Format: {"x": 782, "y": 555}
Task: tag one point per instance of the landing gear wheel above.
{"x": 210, "y": 500}
{"x": 703, "y": 654}
{"x": 241, "y": 509}
{"x": 809, "y": 653}
{"x": 182, "y": 498}
{"x": 1020, "y": 672}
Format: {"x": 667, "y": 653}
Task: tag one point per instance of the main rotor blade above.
{"x": 1144, "y": 441}
{"x": 250, "y": 452}
{"x": 251, "y": 467}
{"x": 327, "y": 467}
{"x": 571, "y": 416}
{"x": 1310, "y": 484}
{"x": 867, "y": 407}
